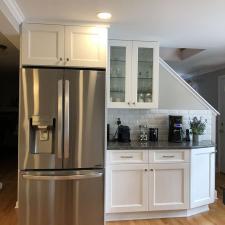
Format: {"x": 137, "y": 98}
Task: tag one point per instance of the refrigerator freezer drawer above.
{"x": 61, "y": 197}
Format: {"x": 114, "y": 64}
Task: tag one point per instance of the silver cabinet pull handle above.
{"x": 66, "y": 177}
{"x": 168, "y": 156}
{"x": 60, "y": 118}
{"x": 67, "y": 59}
{"x": 66, "y": 119}
{"x": 126, "y": 157}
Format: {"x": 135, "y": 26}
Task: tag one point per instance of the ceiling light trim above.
{"x": 104, "y": 15}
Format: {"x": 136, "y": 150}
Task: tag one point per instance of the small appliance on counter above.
{"x": 153, "y": 134}
{"x": 187, "y": 137}
{"x": 108, "y": 132}
{"x": 123, "y": 133}
{"x": 175, "y": 129}
{"x": 143, "y": 135}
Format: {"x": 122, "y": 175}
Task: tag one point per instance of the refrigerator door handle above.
{"x": 66, "y": 119}
{"x": 63, "y": 177}
{"x": 60, "y": 117}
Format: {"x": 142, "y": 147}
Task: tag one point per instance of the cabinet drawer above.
{"x": 168, "y": 156}
{"x": 127, "y": 156}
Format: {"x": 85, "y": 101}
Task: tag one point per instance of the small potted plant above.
{"x": 197, "y": 127}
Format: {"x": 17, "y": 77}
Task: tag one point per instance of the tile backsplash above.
{"x": 156, "y": 118}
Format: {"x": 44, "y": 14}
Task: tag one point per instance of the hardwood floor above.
{"x": 8, "y": 216}
{"x": 8, "y": 194}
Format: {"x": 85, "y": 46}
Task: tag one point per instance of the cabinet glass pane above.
{"x": 117, "y": 73}
{"x": 145, "y": 74}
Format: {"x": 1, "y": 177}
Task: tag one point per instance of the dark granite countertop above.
{"x": 135, "y": 145}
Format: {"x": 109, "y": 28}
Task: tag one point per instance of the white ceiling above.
{"x": 175, "y": 23}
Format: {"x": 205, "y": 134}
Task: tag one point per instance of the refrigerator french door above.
{"x": 61, "y": 147}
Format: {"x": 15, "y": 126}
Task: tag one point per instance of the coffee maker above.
{"x": 175, "y": 129}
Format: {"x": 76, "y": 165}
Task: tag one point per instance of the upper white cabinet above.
{"x": 133, "y": 74}
{"x": 42, "y": 44}
{"x": 202, "y": 177}
{"x": 58, "y": 45}
{"x": 85, "y": 46}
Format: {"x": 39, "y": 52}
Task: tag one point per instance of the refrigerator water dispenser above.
{"x": 41, "y": 134}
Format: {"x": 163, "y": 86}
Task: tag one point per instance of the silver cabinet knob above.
{"x": 146, "y": 170}
{"x": 128, "y": 103}
{"x": 67, "y": 59}
{"x": 133, "y": 103}
{"x": 60, "y": 59}
{"x": 151, "y": 170}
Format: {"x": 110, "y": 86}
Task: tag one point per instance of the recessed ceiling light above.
{"x": 104, "y": 15}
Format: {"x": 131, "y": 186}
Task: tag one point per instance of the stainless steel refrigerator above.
{"x": 61, "y": 147}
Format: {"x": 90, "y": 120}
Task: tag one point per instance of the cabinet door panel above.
{"x": 119, "y": 74}
{"x": 85, "y": 46}
{"x": 145, "y": 70}
{"x": 169, "y": 186}
{"x": 42, "y": 44}
{"x": 202, "y": 176}
{"x": 126, "y": 188}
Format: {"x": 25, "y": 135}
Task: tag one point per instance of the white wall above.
{"x": 173, "y": 95}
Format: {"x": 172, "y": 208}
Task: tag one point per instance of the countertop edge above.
{"x": 159, "y": 146}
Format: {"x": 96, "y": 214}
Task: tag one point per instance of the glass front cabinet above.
{"x": 133, "y": 74}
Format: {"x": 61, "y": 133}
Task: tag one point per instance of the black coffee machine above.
{"x": 175, "y": 129}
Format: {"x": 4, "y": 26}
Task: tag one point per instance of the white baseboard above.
{"x": 216, "y": 195}
{"x": 155, "y": 215}
{"x": 17, "y": 205}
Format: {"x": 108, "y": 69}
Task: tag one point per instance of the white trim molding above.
{"x": 12, "y": 12}
{"x": 188, "y": 87}
{"x": 156, "y": 214}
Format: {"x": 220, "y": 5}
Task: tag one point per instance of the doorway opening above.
{"x": 9, "y": 105}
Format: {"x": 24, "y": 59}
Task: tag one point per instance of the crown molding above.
{"x": 12, "y": 12}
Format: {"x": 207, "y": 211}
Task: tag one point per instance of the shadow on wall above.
{"x": 207, "y": 86}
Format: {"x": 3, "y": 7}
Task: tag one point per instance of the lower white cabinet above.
{"x": 168, "y": 186}
{"x": 202, "y": 176}
{"x": 161, "y": 183}
{"x": 127, "y": 188}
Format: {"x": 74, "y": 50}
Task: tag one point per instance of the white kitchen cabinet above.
{"x": 119, "y": 74}
{"x": 133, "y": 74}
{"x": 68, "y": 46}
{"x": 168, "y": 186}
{"x": 42, "y": 45}
{"x": 127, "y": 188}
{"x": 85, "y": 46}
{"x": 177, "y": 182}
{"x": 145, "y": 71}
{"x": 202, "y": 176}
